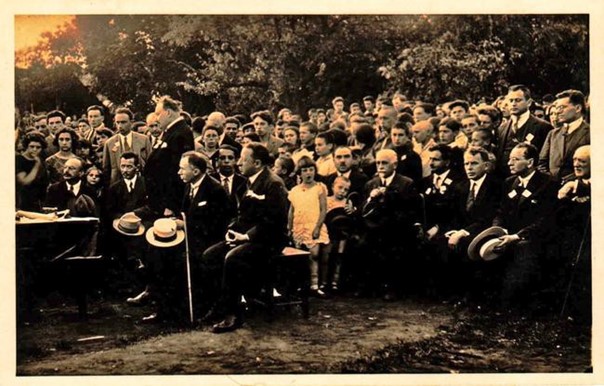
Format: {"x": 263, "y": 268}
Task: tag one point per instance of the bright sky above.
{"x": 28, "y": 28}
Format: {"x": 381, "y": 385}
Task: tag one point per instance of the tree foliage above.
{"x": 241, "y": 63}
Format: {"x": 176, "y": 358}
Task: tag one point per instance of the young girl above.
{"x": 339, "y": 208}
{"x": 284, "y": 168}
{"x": 306, "y": 216}
{"x": 94, "y": 180}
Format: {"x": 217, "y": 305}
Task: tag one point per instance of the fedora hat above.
{"x": 163, "y": 233}
{"x": 129, "y": 225}
{"x": 484, "y": 246}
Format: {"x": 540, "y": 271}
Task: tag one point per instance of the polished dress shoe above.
{"x": 138, "y": 299}
{"x": 230, "y": 323}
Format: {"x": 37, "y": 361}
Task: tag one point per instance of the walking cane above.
{"x": 184, "y": 219}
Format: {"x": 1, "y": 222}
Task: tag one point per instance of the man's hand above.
{"x": 349, "y": 207}
{"x": 567, "y": 189}
{"x": 179, "y": 223}
{"x": 430, "y": 233}
{"x": 508, "y": 240}
{"x": 454, "y": 237}
{"x": 316, "y": 232}
{"x": 234, "y": 238}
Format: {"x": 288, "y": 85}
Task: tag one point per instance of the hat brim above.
{"x": 139, "y": 231}
{"x": 481, "y": 239}
{"x": 180, "y": 236}
{"x": 489, "y": 250}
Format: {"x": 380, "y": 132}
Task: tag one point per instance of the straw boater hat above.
{"x": 484, "y": 246}
{"x": 129, "y": 225}
{"x": 163, "y": 233}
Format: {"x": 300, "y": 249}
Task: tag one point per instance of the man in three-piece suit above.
{"x": 343, "y": 161}
{"x": 391, "y": 216}
{"x": 63, "y": 194}
{"x": 258, "y": 232}
{"x": 234, "y": 183}
{"x": 521, "y": 127}
{"x": 129, "y": 193}
{"x": 526, "y": 212}
{"x": 556, "y": 157}
{"x": 164, "y": 187}
{"x": 125, "y": 140}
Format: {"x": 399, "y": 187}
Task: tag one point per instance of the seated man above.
{"x": 258, "y": 232}
{"x": 526, "y": 210}
{"x": 64, "y": 194}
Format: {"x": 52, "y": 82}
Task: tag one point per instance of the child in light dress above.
{"x": 306, "y": 221}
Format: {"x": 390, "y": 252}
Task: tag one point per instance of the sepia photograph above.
{"x": 373, "y": 195}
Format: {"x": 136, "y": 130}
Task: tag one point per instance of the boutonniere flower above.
{"x": 403, "y": 157}
{"x": 443, "y": 189}
{"x": 512, "y": 194}
{"x": 448, "y": 181}
{"x": 527, "y": 193}
{"x": 250, "y": 193}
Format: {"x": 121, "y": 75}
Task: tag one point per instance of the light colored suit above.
{"x": 114, "y": 148}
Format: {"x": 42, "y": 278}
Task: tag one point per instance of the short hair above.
{"x": 40, "y": 117}
{"x": 405, "y": 118}
{"x": 294, "y": 129}
{"x": 282, "y": 112}
{"x": 98, "y": 108}
{"x": 138, "y": 124}
{"x": 72, "y": 134}
{"x": 131, "y": 155}
{"x": 211, "y": 127}
{"x": 233, "y": 120}
{"x": 488, "y": 134}
{"x": 265, "y": 115}
{"x": 366, "y": 134}
{"x": 288, "y": 164}
{"x": 327, "y": 136}
{"x": 81, "y": 120}
{"x": 429, "y": 108}
{"x": 197, "y": 124}
{"x": 320, "y": 111}
{"x": 105, "y": 132}
{"x": 357, "y": 118}
{"x": 35, "y": 136}
{"x": 399, "y": 125}
{"x": 226, "y": 146}
{"x": 124, "y": 110}
{"x": 338, "y": 137}
{"x": 289, "y": 147}
{"x": 168, "y": 103}
{"x": 355, "y": 104}
{"x": 548, "y": 98}
{"x": 312, "y": 128}
{"x": 445, "y": 151}
{"x": 369, "y": 98}
{"x": 338, "y": 124}
{"x": 337, "y": 99}
{"x": 196, "y": 160}
{"x": 520, "y": 87}
{"x": 468, "y": 115}
{"x": 85, "y": 144}
{"x": 305, "y": 162}
{"x": 252, "y": 137}
{"x": 459, "y": 102}
{"x": 450, "y": 124}
{"x": 491, "y": 111}
{"x": 575, "y": 97}
{"x": 484, "y": 155}
{"x": 389, "y": 153}
{"x": 259, "y": 152}
{"x": 56, "y": 113}
{"x": 340, "y": 178}
{"x": 530, "y": 151}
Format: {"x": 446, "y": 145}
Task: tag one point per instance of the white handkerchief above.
{"x": 164, "y": 145}
{"x": 250, "y": 193}
{"x": 429, "y": 190}
{"x": 512, "y": 194}
{"x": 404, "y": 157}
{"x": 448, "y": 181}
{"x": 202, "y": 203}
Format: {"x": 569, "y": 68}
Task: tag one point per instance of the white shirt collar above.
{"x": 574, "y": 125}
{"x": 388, "y": 180}
{"x": 195, "y": 186}
{"x": 75, "y": 187}
{"x": 346, "y": 174}
{"x": 521, "y": 120}
{"x": 130, "y": 180}
{"x": 443, "y": 176}
{"x": 524, "y": 181}
{"x": 477, "y": 183}
{"x": 253, "y": 178}
{"x": 174, "y": 122}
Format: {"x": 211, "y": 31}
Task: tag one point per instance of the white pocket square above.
{"x": 163, "y": 145}
{"x": 250, "y": 193}
{"x": 202, "y": 203}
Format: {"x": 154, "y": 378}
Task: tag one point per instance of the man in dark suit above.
{"x": 234, "y": 183}
{"x": 63, "y": 194}
{"x": 129, "y": 193}
{"x": 392, "y": 221}
{"x": 164, "y": 187}
{"x": 526, "y": 212}
{"x": 556, "y": 157}
{"x": 258, "y": 231}
{"x": 343, "y": 161}
{"x": 409, "y": 163}
{"x": 207, "y": 209}
{"x": 521, "y": 127}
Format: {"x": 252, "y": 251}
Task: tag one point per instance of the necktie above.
{"x": 471, "y": 196}
{"x": 383, "y": 183}
{"x": 130, "y": 186}
{"x": 70, "y": 188}
{"x": 126, "y": 145}
{"x": 514, "y": 126}
{"x": 191, "y": 193}
{"x": 225, "y": 183}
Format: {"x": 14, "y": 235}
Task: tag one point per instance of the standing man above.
{"x": 56, "y": 123}
{"x": 521, "y": 127}
{"x": 423, "y": 140}
{"x": 124, "y": 141}
{"x": 369, "y": 105}
{"x": 96, "y": 119}
{"x": 409, "y": 163}
{"x": 556, "y": 157}
{"x": 258, "y": 232}
{"x": 263, "y": 123}
{"x": 164, "y": 187}
{"x": 385, "y": 120}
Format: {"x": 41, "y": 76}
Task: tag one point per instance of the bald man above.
{"x": 423, "y": 140}
{"x": 390, "y": 213}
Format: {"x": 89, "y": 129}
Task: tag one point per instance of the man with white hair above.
{"x": 390, "y": 213}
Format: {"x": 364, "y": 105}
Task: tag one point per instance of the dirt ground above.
{"x": 342, "y": 335}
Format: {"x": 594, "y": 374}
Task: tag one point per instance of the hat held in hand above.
{"x": 485, "y": 244}
{"x": 163, "y": 233}
{"x": 129, "y": 225}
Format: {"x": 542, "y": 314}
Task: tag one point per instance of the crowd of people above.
{"x": 392, "y": 197}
